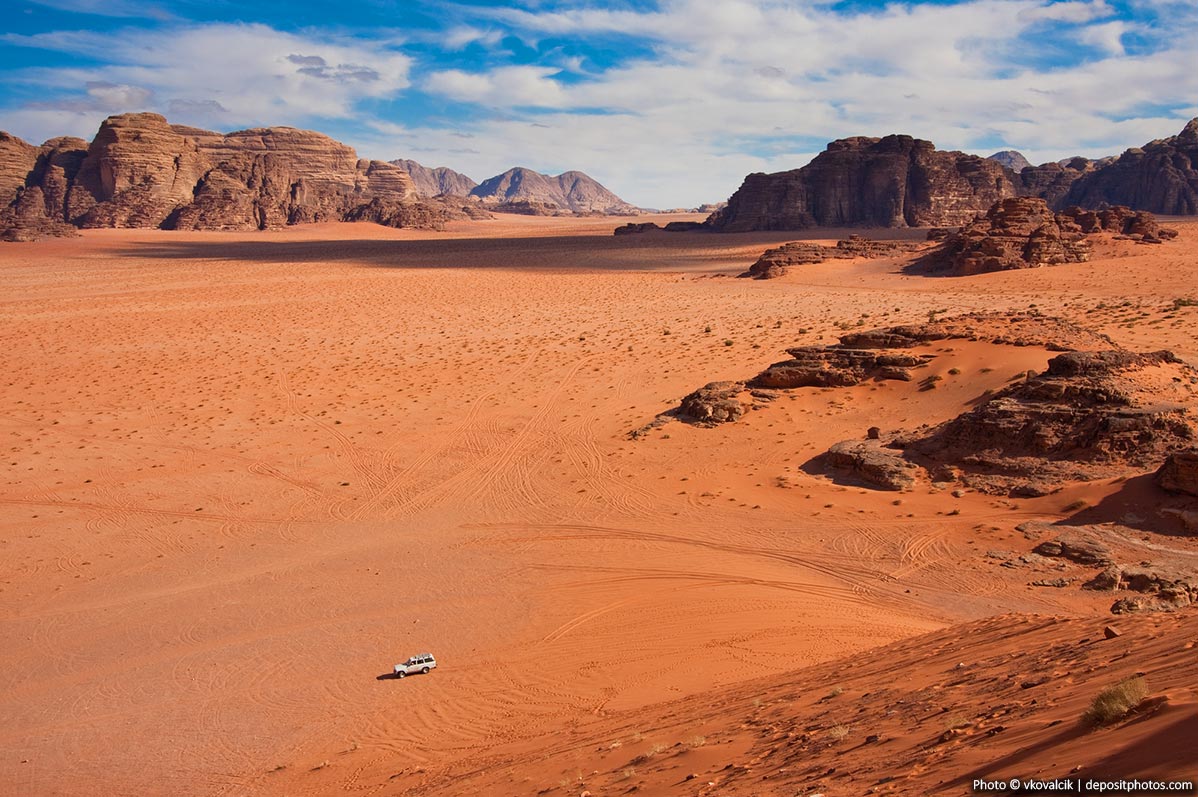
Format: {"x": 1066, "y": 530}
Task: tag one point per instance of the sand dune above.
{"x": 246, "y": 473}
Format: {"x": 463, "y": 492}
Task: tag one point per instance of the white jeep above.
{"x": 420, "y": 663}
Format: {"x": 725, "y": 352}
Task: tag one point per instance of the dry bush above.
{"x": 1116, "y": 701}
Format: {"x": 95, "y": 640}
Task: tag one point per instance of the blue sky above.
{"x": 668, "y": 103}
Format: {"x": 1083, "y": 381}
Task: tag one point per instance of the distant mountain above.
{"x": 572, "y": 191}
{"x": 1012, "y": 159}
{"x": 435, "y": 182}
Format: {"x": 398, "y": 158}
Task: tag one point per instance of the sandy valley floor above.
{"x": 244, "y": 474}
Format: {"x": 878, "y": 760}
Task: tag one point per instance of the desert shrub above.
{"x": 1115, "y": 701}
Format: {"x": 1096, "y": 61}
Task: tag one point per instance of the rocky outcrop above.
{"x": 896, "y": 181}
{"x": 1022, "y": 232}
{"x": 871, "y": 462}
{"x": 437, "y": 181}
{"x": 717, "y": 402}
{"x": 835, "y": 366}
{"x": 17, "y": 159}
{"x": 1053, "y": 181}
{"x": 877, "y": 355}
{"x": 38, "y": 199}
{"x": 775, "y": 262}
{"x": 1161, "y": 177}
{"x": 1089, "y": 415}
{"x": 1008, "y": 329}
{"x": 1010, "y": 158}
{"x": 900, "y": 181}
{"x": 1078, "y": 547}
{"x": 1179, "y": 473}
{"x": 635, "y": 228}
{"x": 572, "y": 191}
{"x": 140, "y": 171}
{"x": 528, "y": 207}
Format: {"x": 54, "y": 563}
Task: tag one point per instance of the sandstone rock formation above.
{"x": 437, "y": 181}
{"x": 1022, "y": 232}
{"x": 836, "y": 366}
{"x": 35, "y": 187}
{"x": 1161, "y": 177}
{"x": 1089, "y": 415}
{"x": 1092, "y": 414}
{"x": 1009, "y": 329}
{"x": 570, "y": 191}
{"x": 1052, "y": 181}
{"x": 1179, "y": 473}
{"x": 635, "y": 228}
{"x": 140, "y": 171}
{"x": 1012, "y": 159}
{"x": 899, "y": 181}
{"x": 896, "y": 181}
{"x": 717, "y": 402}
{"x": 873, "y": 463}
{"x": 775, "y": 262}
{"x": 1077, "y": 547}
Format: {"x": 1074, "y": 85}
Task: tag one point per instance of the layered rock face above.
{"x": 1022, "y": 232}
{"x": 1090, "y": 415}
{"x": 436, "y": 182}
{"x": 38, "y": 191}
{"x": 1053, "y": 181}
{"x": 899, "y": 181}
{"x": 1161, "y": 177}
{"x": 140, "y": 171}
{"x": 1179, "y": 474}
{"x": 571, "y": 191}
{"x": 896, "y": 181}
{"x": 836, "y": 366}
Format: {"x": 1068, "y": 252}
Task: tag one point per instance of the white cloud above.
{"x": 1076, "y": 11}
{"x": 214, "y": 75}
{"x": 506, "y": 86}
{"x": 748, "y": 85}
{"x": 718, "y": 90}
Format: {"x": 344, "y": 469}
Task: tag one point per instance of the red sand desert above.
{"x": 246, "y": 473}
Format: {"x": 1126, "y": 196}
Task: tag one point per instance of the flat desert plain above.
{"x": 245, "y": 474}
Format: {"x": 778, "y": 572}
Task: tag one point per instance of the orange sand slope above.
{"x": 246, "y": 473}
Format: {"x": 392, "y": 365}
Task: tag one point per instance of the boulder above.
{"x": 872, "y": 462}
{"x": 1179, "y": 474}
{"x": 1084, "y": 550}
{"x": 717, "y": 402}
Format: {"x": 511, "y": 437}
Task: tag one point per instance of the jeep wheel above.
{"x": 424, "y": 670}
{"x": 400, "y": 674}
